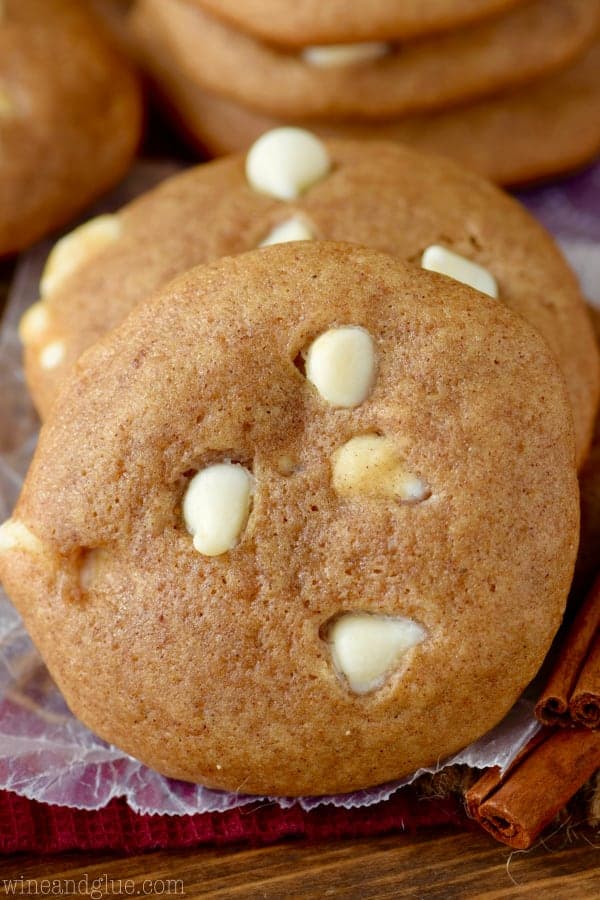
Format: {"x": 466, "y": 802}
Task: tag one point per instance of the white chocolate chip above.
{"x": 366, "y": 647}
{"x": 446, "y": 262}
{"x": 15, "y": 535}
{"x": 34, "y": 323}
{"x": 87, "y": 572}
{"x": 413, "y": 489}
{"x": 333, "y": 55}
{"x": 293, "y": 229}
{"x": 341, "y": 365}
{"x": 52, "y": 355}
{"x": 286, "y": 162}
{"x": 91, "y": 567}
{"x": 371, "y": 465}
{"x": 76, "y": 248}
{"x": 216, "y": 507}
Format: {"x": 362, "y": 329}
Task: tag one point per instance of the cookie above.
{"x": 297, "y": 516}
{"x": 70, "y": 117}
{"x": 345, "y": 21}
{"x": 376, "y": 194}
{"x": 374, "y": 80}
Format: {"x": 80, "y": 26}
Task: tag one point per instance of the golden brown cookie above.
{"x": 374, "y": 80}
{"x": 542, "y": 130}
{"x": 304, "y": 22}
{"x": 375, "y": 194}
{"x": 70, "y": 116}
{"x": 292, "y": 527}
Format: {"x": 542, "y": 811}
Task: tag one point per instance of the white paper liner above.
{"x": 48, "y": 755}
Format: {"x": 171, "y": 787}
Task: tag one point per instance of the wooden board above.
{"x": 441, "y": 865}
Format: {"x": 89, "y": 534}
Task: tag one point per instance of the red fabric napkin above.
{"x": 28, "y": 826}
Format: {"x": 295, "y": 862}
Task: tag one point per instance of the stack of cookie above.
{"x": 297, "y": 508}
{"x": 511, "y": 88}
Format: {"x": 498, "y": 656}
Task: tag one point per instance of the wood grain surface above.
{"x": 435, "y": 864}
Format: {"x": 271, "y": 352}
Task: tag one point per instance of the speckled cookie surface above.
{"x": 313, "y": 22}
{"x": 70, "y": 116}
{"x": 227, "y": 669}
{"x": 542, "y": 130}
{"x": 525, "y": 44}
{"x": 376, "y": 194}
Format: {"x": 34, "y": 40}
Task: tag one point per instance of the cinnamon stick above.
{"x": 553, "y": 706}
{"x": 585, "y": 701}
{"x": 518, "y": 809}
{"x": 493, "y": 777}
